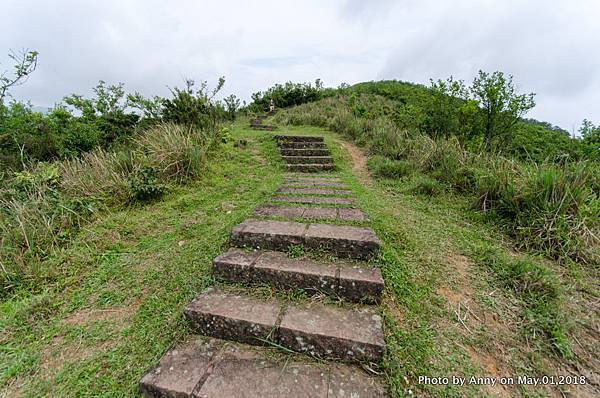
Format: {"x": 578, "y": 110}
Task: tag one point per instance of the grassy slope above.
{"x": 129, "y": 275}
{"x": 132, "y": 271}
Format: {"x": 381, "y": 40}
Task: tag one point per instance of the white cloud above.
{"x": 550, "y": 46}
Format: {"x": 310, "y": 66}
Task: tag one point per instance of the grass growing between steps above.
{"x": 460, "y": 300}
{"x": 126, "y": 278}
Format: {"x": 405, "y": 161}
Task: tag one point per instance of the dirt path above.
{"x": 359, "y": 162}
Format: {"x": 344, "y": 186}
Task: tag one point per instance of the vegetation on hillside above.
{"x": 454, "y": 172}
{"x": 550, "y": 205}
{"x": 90, "y": 154}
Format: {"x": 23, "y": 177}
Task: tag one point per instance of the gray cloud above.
{"x": 549, "y": 46}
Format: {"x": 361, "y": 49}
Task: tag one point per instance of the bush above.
{"x": 177, "y": 152}
{"x": 144, "y": 185}
{"x": 288, "y": 94}
{"x": 41, "y": 206}
{"x": 387, "y": 168}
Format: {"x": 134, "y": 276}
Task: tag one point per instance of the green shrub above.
{"x": 43, "y": 205}
{"x": 387, "y": 168}
{"x": 144, "y": 185}
{"x": 177, "y": 152}
{"x": 286, "y": 95}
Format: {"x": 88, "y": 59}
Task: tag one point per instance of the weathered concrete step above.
{"x": 340, "y": 279}
{"x": 315, "y": 184}
{"x": 310, "y": 168}
{"x": 308, "y": 159}
{"x": 300, "y": 176}
{"x": 305, "y": 152}
{"x": 298, "y": 138}
{"x": 301, "y": 145}
{"x": 310, "y": 213}
{"x": 205, "y": 367}
{"x": 263, "y": 127}
{"x": 313, "y": 200}
{"x": 311, "y": 178}
{"x": 342, "y": 240}
{"x": 314, "y": 191}
{"x": 345, "y": 334}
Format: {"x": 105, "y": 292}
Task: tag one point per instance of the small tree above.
{"x": 591, "y": 136}
{"x": 502, "y": 107}
{"x": 193, "y": 107}
{"x": 443, "y": 108}
{"x": 232, "y": 104}
{"x": 25, "y": 64}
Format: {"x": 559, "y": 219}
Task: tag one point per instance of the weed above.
{"x": 387, "y": 168}
{"x": 424, "y": 185}
{"x": 296, "y": 251}
{"x": 538, "y": 289}
{"x": 144, "y": 185}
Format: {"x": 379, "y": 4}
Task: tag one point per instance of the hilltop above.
{"x": 488, "y": 253}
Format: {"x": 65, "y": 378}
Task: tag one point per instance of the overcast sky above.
{"x": 550, "y": 46}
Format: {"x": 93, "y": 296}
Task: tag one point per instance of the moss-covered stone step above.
{"x": 347, "y": 280}
{"x": 298, "y": 138}
{"x": 263, "y": 127}
{"x": 310, "y": 168}
{"x": 311, "y": 213}
{"x": 305, "y": 152}
{"x": 314, "y": 184}
{"x": 308, "y": 159}
{"x": 313, "y": 200}
{"x": 338, "y": 333}
{"x": 202, "y": 366}
{"x": 313, "y": 191}
{"x": 341, "y": 240}
{"x": 301, "y": 145}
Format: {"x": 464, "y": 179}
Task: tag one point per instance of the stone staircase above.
{"x": 257, "y": 122}
{"x": 241, "y": 337}
{"x": 304, "y": 154}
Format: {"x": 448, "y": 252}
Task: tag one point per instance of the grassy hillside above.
{"x": 457, "y": 297}
{"x": 550, "y": 207}
{"x": 489, "y": 257}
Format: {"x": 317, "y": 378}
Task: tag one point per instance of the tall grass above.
{"x": 548, "y": 207}
{"x": 541, "y": 297}
{"x": 46, "y": 203}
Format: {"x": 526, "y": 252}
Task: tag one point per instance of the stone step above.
{"x": 314, "y": 191}
{"x": 305, "y": 152}
{"x": 202, "y": 366}
{"x": 297, "y": 176}
{"x": 313, "y": 200}
{"x": 314, "y": 184}
{"x": 310, "y": 213}
{"x": 308, "y": 159}
{"x": 298, "y": 138}
{"x": 309, "y": 168}
{"x": 314, "y": 177}
{"x": 342, "y": 240}
{"x": 340, "y": 279}
{"x": 345, "y": 334}
{"x": 263, "y": 127}
{"x": 301, "y": 145}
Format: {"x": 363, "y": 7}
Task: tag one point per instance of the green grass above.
{"x": 126, "y": 277}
